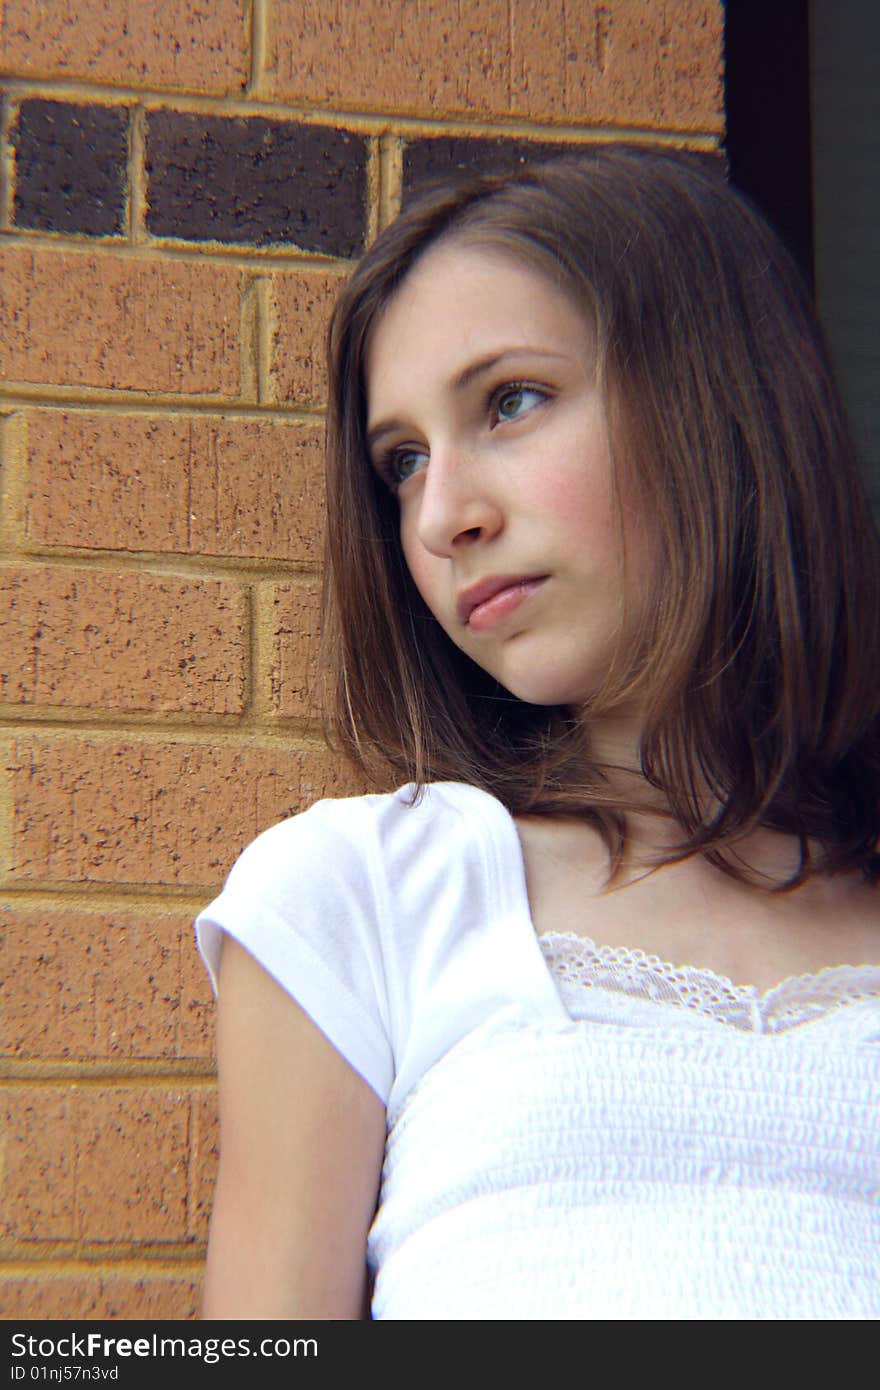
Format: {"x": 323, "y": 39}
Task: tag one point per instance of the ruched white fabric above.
{"x": 622, "y": 1169}
{"x": 573, "y": 1131}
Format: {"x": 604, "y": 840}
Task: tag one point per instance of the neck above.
{"x": 615, "y": 743}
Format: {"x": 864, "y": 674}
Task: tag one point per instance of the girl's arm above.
{"x": 302, "y": 1141}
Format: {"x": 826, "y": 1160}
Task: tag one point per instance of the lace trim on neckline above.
{"x": 578, "y": 963}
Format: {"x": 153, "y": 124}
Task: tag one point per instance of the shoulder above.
{"x": 353, "y": 882}
{"x": 374, "y": 913}
{"x": 356, "y": 836}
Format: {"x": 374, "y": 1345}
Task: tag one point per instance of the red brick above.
{"x": 103, "y": 985}
{"x": 293, "y": 621}
{"x": 137, "y": 43}
{"x": 627, "y": 62}
{"x": 96, "y": 1163}
{"x": 132, "y": 1164}
{"x": 38, "y": 1180}
{"x": 633, "y": 62}
{"x": 94, "y": 638}
{"x": 97, "y": 810}
{"x": 302, "y": 304}
{"x": 110, "y": 321}
{"x": 197, "y": 485}
{"x": 204, "y": 1154}
{"x": 447, "y": 58}
{"x": 87, "y": 1297}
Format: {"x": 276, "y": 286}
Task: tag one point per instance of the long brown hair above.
{"x": 761, "y": 670}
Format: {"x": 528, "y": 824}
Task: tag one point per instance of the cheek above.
{"x": 574, "y": 489}
{"x": 422, "y": 567}
{"x": 409, "y": 549}
{"x": 581, "y": 510}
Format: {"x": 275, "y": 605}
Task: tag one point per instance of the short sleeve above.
{"x": 306, "y": 900}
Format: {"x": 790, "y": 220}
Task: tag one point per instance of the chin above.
{"x": 559, "y": 673}
{"x": 542, "y": 689}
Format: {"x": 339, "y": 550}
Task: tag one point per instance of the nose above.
{"x": 457, "y": 505}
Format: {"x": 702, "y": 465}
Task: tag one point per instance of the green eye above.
{"x": 405, "y": 463}
{"x": 514, "y": 401}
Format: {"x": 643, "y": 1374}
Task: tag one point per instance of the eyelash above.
{"x": 387, "y": 463}
{"x": 514, "y": 388}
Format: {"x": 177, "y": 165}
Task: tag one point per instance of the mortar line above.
{"x": 296, "y": 736}
{"x": 259, "y": 46}
{"x": 168, "y": 566}
{"x": 7, "y": 810}
{"x": 171, "y": 251}
{"x": 259, "y": 705}
{"x": 178, "y": 566}
{"x": 254, "y": 703}
{"x": 264, "y": 338}
{"x": 359, "y": 121}
{"x": 13, "y": 481}
{"x": 195, "y": 1073}
{"x": 23, "y": 394}
{"x": 105, "y": 899}
{"x": 391, "y": 180}
{"x": 98, "y": 899}
{"x": 239, "y": 730}
{"x": 188, "y": 498}
{"x": 511, "y": 49}
{"x": 137, "y": 1266}
{"x": 249, "y": 341}
{"x": 7, "y": 163}
{"x": 96, "y": 400}
{"x": 20, "y": 1254}
{"x": 373, "y": 189}
{"x": 137, "y": 202}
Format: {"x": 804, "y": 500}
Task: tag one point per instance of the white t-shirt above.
{"x": 570, "y": 1135}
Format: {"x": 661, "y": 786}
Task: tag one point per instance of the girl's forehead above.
{"x": 463, "y": 295}
{"x": 462, "y": 256}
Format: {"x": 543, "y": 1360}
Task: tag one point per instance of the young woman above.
{"x": 585, "y": 1021}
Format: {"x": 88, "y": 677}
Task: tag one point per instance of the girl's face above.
{"x": 486, "y": 420}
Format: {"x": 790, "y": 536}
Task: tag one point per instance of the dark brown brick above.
{"x": 447, "y": 158}
{"x": 70, "y": 167}
{"x": 253, "y": 181}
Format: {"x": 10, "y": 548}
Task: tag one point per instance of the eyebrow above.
{"x": 463, "y": 379}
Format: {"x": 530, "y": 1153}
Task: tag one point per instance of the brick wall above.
{"x": 182, "y": 188}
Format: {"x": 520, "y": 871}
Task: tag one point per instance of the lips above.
{"x": 495, "y": 595}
